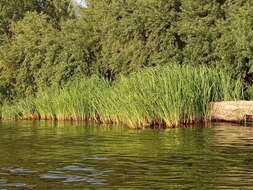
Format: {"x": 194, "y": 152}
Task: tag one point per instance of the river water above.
{"x": 59, "y": 156}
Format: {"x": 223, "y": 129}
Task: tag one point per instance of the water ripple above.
{"x": 76, "y": 168}
{"x": 53, "y": 176}
{"x": 78, "y": 157}
{"x": 16, "y": 185}
{"x": 98, "y": 158}
{"x": 21, "y": 170}
{"x": 3, "y": 180}
{"x": 71, "y": 178}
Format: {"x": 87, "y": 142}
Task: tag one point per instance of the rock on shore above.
{"x": 233, "y": 111}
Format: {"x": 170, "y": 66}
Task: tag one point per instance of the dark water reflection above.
{"x": 46, "y": 155}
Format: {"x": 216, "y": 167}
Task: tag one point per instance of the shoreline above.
{"x": 225, "y": 111}
{"x": 140, "y": 125}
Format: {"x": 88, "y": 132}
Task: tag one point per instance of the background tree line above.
{"x": 45, "y": 44}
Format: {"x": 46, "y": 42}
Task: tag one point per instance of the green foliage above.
{"x": 23, "y": 56}
{"x": 234, "y": 48}
{"x": 12, "y": 10}
{"x": 197, "y": 30}
{"x": 167, "y": 96}
{"x": 133, "y": 34}
{"x": 45, "y": 44}
{"x": 39, "y": 56}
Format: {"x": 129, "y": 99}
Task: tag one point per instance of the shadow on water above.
{"x": 51, "y": 155}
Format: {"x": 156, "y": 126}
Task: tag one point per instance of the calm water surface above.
{"x": 46, "y": 155}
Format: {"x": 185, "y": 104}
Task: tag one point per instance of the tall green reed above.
{"x": 166, "y": 96}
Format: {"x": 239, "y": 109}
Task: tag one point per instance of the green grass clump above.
{"x": 166, "y": 96}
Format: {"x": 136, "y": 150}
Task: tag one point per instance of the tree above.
{"x": 22, "y": 41}
{"x": 234, "y": 48}
{"x": 197, "y": 30}
{"x": 133, "y": 34}
{"x": 38, "y": 56}
{"x": 13, "y": 10}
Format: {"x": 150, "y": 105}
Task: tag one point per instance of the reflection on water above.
{"x": 48, "y": 155}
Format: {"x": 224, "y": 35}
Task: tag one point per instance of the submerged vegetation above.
{"x": 164, "y": 96}
{"x": 136, "y": 62}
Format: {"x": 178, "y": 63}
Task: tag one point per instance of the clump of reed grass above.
{"x": 165, "y": 96}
